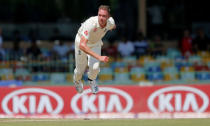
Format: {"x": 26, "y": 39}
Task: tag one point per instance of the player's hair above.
{"x": 105, "y": 7}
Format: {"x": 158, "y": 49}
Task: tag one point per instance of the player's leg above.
{"x": 81, "y": 64}
{"x": 94, "y": 69}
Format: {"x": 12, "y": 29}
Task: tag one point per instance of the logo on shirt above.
{"x": 95, "y": 29}
{"x": 86, "y": 33}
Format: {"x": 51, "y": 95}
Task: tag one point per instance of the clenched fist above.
{"x": 104, "y": 59}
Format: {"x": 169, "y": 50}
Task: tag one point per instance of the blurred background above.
{"x": 156, "y": 41}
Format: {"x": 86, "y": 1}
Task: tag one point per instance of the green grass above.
{"x": 105, "y": 122}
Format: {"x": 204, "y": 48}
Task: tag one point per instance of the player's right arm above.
{"x": 83, "y": 46}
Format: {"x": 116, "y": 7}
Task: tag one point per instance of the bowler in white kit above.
{"x": 88, "y": 43}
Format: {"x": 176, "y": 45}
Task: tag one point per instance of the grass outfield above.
{"x": 105, "y": 122}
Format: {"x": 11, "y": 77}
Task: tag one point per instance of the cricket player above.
{"x": 88, "y": 43}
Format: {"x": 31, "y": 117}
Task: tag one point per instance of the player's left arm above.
{"x": 111, "y": 24}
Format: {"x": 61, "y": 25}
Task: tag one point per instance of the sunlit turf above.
{"x": 104, "y": 122}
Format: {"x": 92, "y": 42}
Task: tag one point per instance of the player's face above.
{"x": 103, "y": 16}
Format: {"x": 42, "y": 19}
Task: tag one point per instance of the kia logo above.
{"x": 20, "y": 102}
{"x": 178, "y": 99}
{"x": 102, "y": 102}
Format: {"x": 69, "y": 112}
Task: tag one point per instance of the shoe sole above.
{"x": 94, "y": 92}
{"x": 77, "y": 88}
{"x": 78, "y": 91}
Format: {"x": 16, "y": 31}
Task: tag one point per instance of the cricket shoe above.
{"x": 79, "y": 86}
{"x": 93, "y": 86}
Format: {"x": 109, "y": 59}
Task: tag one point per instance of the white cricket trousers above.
{"x": 84, "y": 60}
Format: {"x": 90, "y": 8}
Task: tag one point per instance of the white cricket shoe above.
{"x": 93, "y": 86}
{"x": 79, "y": 86}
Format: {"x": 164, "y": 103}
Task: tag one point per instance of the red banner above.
{"x": 111, "y": 99}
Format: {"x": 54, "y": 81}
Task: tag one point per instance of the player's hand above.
{"x": 114, "y": 27}
{"x": 104, "y": 59}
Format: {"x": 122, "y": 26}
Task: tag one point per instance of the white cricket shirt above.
{"x": 92, "y": 31}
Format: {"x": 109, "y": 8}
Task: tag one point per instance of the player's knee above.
{"x": 92, "y": 74}
{"x": 95, "y": 68}
{"x": 78, "y": 73}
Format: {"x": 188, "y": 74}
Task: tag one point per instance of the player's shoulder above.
{"x": 92, "y": 19}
